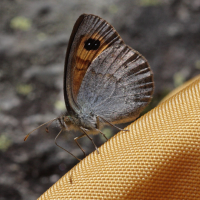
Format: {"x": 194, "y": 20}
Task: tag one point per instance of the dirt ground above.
{"x": 33, "y": 41}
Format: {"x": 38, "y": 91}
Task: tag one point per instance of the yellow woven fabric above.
{"x": 158, "y": 159}
{"x": 178, "y": 89}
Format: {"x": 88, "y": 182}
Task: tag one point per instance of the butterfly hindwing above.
{"x": 118, "y": 84}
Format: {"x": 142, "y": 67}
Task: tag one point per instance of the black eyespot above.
{"x": 91, "y": 44}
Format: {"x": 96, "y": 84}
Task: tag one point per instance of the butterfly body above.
{"x": 103, "y": 77}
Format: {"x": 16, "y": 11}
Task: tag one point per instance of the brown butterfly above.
{"x": 105, "y": 80}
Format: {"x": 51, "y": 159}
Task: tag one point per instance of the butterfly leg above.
{"x": 75, "y": 139}
{"x": 111, "y": 124}
{"x": 63, "y": 148}
{"x": 82, "y": 129}
{"x": 98, "y": 128}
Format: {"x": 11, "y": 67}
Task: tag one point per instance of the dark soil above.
{"x": 33, "y": 40}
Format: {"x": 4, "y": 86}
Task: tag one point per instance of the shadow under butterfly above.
{"x": 105, "y": 80}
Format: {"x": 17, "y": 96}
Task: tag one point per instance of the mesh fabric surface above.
{"x": 158, "y": 159}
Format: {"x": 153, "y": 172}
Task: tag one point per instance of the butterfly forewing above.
{"x": 90, "y": 37}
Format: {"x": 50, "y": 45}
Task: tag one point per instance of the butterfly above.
{"x": 105, "y": 80}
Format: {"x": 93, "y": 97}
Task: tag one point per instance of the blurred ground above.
{"x": 33, "y": 41}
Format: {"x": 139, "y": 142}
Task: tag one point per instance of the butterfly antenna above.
{"x": 63, "y": 148}
{"x": 49, "y": 122}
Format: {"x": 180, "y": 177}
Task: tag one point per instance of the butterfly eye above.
{"x": 92, "y": 44}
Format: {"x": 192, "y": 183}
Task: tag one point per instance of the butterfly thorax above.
{"x": 73, "y": 121}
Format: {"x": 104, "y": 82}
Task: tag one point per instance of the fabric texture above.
{"x": 159, "y": 158}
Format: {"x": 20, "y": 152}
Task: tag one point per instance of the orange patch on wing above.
{"x": 83, "y": 63}
{"x": 83, "y": 60}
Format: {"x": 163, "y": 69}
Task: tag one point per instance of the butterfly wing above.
{"x": 91, "y": 35}
{"x": 118, "y": 84}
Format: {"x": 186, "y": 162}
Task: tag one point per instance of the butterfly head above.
{"x": 67, "y": 122}
{"x": 64, "y": 122}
